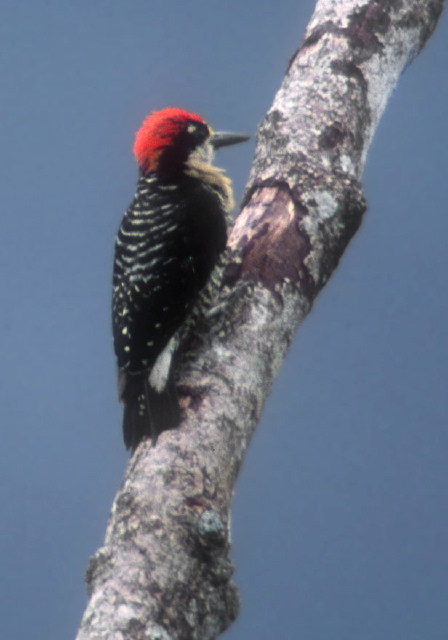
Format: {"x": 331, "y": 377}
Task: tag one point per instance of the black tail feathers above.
{"x": 146, "y": 411}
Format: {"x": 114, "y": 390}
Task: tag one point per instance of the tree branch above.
{"x": 164, "y": 571}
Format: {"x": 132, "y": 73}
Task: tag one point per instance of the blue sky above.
{"x": 340, "y": 517}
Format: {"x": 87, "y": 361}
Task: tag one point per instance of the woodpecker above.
{"x": 168, "y": 244}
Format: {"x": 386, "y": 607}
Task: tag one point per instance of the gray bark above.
{"x": 164, "y": 570}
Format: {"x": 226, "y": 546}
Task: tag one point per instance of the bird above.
{"x": 167, "y": 247}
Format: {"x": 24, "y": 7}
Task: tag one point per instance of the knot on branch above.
{"x": 98, "y": 567}
{"x": 295, "y": 228}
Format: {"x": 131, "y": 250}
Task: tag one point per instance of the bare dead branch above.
{"x": 164, "y": 571}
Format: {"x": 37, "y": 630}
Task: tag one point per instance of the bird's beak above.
{"x": 224, "y": 139}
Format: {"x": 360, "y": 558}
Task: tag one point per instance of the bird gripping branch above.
{"x": 167, "y": 246}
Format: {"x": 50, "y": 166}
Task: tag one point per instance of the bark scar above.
{"x": 271, "y": 246}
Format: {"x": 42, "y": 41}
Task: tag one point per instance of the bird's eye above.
{"x": 192, "y": 128}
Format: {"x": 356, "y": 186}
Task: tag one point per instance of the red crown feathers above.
{"x": 157, "y": 132}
